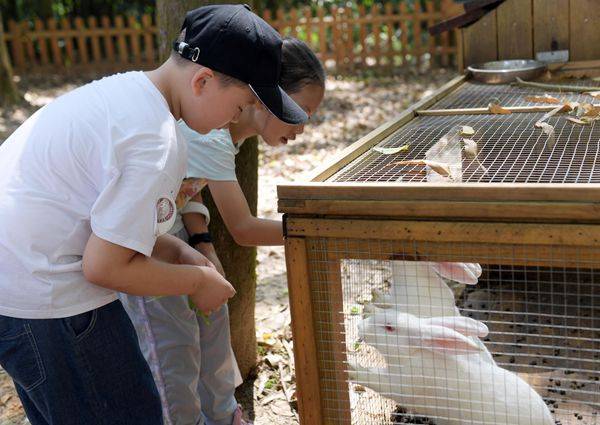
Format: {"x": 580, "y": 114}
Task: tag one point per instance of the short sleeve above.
{"x": 135, "y": 207}
{"x": 210, "y": 156}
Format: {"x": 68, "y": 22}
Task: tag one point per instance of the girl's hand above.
{"x": 213, "y": 291}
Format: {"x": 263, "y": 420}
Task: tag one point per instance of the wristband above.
{"x": 197, "y": 238}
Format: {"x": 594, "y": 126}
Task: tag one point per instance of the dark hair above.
{"x": 300, "y": 66}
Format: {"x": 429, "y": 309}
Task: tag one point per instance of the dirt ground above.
{"x": 352, "y": 108}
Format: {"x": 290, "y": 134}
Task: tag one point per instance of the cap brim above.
{"x": 280, "y": 104}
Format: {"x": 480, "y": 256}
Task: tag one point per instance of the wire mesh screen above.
{"x": 511, "y": 149}
{"x": 435, "y": 337}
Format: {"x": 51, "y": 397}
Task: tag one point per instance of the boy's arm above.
{"x": 122, "y": 269}
{"x": 246, "y": 229}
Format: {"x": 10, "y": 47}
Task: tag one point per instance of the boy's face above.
{"x": 209, "y": 104}
{"x": 276, "y": 132}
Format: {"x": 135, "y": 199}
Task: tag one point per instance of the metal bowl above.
{"x": 501, "y": 72}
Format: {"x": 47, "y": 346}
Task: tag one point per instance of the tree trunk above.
{"x": 239, "y": 262}
{"x": 8, "y": 90}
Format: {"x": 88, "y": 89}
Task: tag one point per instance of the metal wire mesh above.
{"x": 511, "y": 148}
{"x": 379, "y": 366}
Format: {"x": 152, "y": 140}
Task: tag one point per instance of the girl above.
{"x": 190, "y": 357}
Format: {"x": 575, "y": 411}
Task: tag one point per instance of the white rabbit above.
{"x": 433, "y": 369}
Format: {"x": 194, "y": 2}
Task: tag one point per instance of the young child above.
{"x": 88, "y": 186}
{"x": 191, "y": 358}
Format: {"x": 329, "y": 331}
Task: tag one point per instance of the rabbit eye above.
{"x": 389, "y": 328}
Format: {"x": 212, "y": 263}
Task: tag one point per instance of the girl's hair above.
{"x": 300, "y": 67}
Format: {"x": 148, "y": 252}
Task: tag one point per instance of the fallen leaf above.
{"x": 273, "y": 359}
{"x": 578, "y": 121}
{"x": 591, "y": 111}
{"x": 359, "y": 389}
{"x": 542, "y": 99}
{"x": 439, "y": 167}
{"x": 391, "y": 151}
{"x": 548, "y": 130}
{"x": 465, "y": 130}
{"x": 497, "y": 109}
{"x": 470, "y": 148}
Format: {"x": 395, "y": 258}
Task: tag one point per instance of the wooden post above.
{"x": 349, "y": 32}
{"x": 376, "y": 25}
{"x": 134, "y": 40}
{"x": 42, "y": 40}
{"x": 148, "y": 39}
{"x": 109, "y": 49}
{"x": 335, "y": 38}
{"x": 281, "y": 21}
{"x": 305, "y": 350}
{"x": 293, "y": 23}
{"x": 322, "y": 34}
{"x": 404, "y": 33}
{"x": 65, "y": 25}
{"x": 309, "y": 27}
{"x": 121, "y": 43}
{"x": 431, "y": 41}
{"x": 389, "y": 19}
{"x": 362, "y": 33}
{"x": 95, "y": 40}
{"x": 26, "y": 35}
{"x": 417, "y": 33}
{"x": 16, "y": 44}
{"x": 333, "y": 360}
{"x": 445, "y": 7}
{"x": 57, "y": 58}
{"x": 81, "y": 41}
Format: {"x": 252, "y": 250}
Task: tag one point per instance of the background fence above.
{"x": 346, "y": 40}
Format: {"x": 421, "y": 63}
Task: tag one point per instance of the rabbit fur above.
{"x": 435, "y": 369}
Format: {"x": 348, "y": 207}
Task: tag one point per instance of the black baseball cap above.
{"x": 234, "y": 41}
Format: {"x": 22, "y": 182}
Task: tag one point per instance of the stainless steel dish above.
{"x": 502, "y": 72}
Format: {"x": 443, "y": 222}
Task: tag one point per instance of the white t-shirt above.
{"x": 106, "y": 157}
{"x": 211, "y": 156}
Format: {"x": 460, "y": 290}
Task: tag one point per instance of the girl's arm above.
{"x": 246, "y": 229}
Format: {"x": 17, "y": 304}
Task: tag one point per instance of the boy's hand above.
{"x": 213, "y": 291}
{"x": 188, "y": 255}
{"x": 208, "y": 250}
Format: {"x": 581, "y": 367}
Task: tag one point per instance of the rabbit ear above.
{"x": 447, "y": 341}
{"x": 458, "y": 272}
{"x": 463, "y": 325}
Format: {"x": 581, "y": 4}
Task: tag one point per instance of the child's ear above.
{"x": 200, "y": 78}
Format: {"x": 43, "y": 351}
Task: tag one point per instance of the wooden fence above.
{"x": 346, "y": 40}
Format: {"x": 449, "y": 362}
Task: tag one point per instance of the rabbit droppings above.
{"x": 435, "y": 369}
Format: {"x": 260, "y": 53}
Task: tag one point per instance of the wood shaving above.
{"x": 543, "y": 99}
{"x": 578, "y": 121}
{"x": 497, "y": 109}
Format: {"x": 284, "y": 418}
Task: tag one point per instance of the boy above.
{"x": 88, "y": 186}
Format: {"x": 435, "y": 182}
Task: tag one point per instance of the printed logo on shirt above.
{"x": 165, "y": 215}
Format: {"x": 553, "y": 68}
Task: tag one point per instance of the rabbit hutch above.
{"x": 445, "y": 268}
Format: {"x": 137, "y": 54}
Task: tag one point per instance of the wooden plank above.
{"x": 310, "y": 32}
{"x": 390, "y": 20}
{"x": 431, "y": 40}
{"x": 96, "y": 56}
{"x": 81, "y": 41}
{"x": 134, "y": 40}
{"x": 480, "y": 42}
{"x": 362, "y": 33}
{"x": 57, "y": 59}
{"x": 293, "y": 23}
{"x": 515, "y": 29}
{"x": 404, "y": 19}
{"x": 536, "y": 212}
{"x": 16, "y": 44}
{"x": 456, "y": 192}
{"x": 328, "y": 316}
{"x": 121, "y": 42}
{"x": 148, "y": 39}
{"x": 584, "y": 30}
{"x": 443, "y": 231}
{"x": 376, "y": 27}
{"x": 281, "y": 21}
{"x": 65, "y": 24}
{"x": 417, "y": 42}
{"x": 349, "y": 36}
{"x": 305, "y": 350}
{"x": 32, "y": 61}
{"x": 322, "y": 32}
{"x": 480, "y": 111}
{"x": 38, "y": 25}
{"x": 366, "y": 142}
{"x": 497, "y": 254}
{"x": 551, "y": 25}
{"x": 109, "y": 50}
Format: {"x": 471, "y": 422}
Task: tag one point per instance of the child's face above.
{"x": 276, "y": 132}
{"x": 211, "y": 105}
